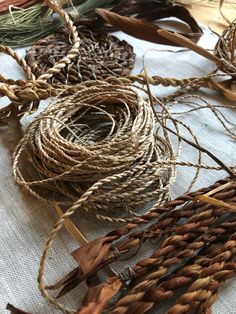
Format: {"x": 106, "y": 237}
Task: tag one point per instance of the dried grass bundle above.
{"x": 20, "y": 27}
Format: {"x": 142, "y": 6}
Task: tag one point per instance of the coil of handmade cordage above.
{"x": 225, "y": 47}
{"x": 97, "y": 149}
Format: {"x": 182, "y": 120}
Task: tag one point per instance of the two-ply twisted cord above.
{"x": 99, "y": 151}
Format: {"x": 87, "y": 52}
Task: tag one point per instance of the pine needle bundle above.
{"x": 21, "y": 27}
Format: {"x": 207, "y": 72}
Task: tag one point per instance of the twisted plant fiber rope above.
{"x": 100, "y": 150}
{"x": 202, "y": 224}
{"x": 160, "y": 229}
{"x": 225, "y": 47}
{"x": 101, "y": 142}
{"x": 143, "y": 295}
{"x": 206, "y": 273}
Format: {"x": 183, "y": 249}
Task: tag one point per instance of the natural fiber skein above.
{"x": 99, "y": 144}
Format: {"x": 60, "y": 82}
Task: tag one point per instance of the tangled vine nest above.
{"x": 99, "y": 150}
{"x": 100, "y": 55}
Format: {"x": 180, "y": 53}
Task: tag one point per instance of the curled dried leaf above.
{"x": 98, "y": 296}
{"x": 132, "y": 26}
{"x": 15, "y": 310}
{"x": 92, "y": 254}
{"x": 138, "y": 28}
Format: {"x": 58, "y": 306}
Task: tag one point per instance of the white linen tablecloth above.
{"x": 26, "y": 222}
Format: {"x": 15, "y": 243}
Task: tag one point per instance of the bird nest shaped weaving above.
{"x": 100, "y": 55}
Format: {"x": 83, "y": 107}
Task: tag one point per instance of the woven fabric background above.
{"x": 25, "y": 222}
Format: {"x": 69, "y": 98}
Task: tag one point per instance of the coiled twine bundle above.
{"x": 97, "y": 150}
{"x": 225, "y": 48}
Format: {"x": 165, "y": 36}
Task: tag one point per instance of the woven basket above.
{"x": 101, "y": 55}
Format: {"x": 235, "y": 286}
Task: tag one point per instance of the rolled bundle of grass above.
{"x": 100, "y": 56}
{"x": 97, "y": 150}
{"x": 20, "y": 27}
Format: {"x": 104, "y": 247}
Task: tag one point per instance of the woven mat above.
{"x": 25, "y": 223}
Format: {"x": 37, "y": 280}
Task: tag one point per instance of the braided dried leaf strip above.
{"x": 210, "y": 286}
{"x": 179, "y": 245}
{"x": 26, "y": 95}
{"x": 203, "y": 292}
{"x": 166, "y": 218}
{"x": 157, "y": 229}
{"x": 25, "y": 92}
{"x": 203, "y": 272}
{"x": 159, "y": 264}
